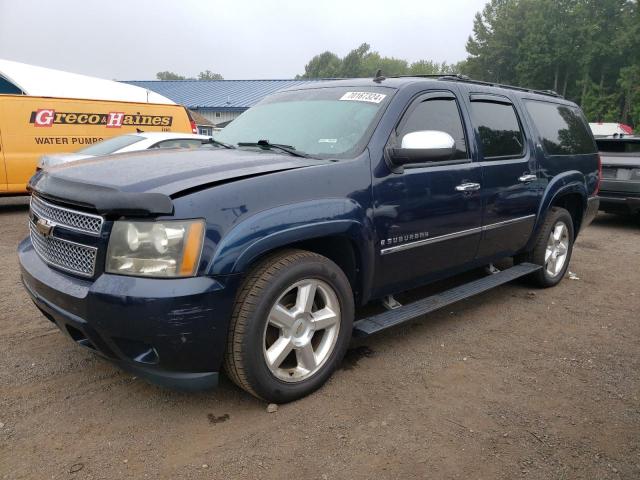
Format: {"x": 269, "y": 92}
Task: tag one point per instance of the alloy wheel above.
{"x": 557, "y": 250}
{"x": 302, "y": 330}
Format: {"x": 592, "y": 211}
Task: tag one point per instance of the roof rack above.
{"x": 457, "y": 77}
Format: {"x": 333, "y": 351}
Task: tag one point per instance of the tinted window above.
{"x": 498, "y": 129}
{"x": 562, "y": 128}
{"x": 179, "y": 143}
{"x": 111, "y": 145}
{"x": 437, "y": 114}
{"x": 618, "y": 146}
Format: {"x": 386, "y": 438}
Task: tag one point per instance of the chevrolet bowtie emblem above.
{"x": 45, "y": 227}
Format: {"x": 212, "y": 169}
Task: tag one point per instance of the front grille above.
{"x": 73, "y": 219}
{"x": 58, "y": 252}
{"x": 69, "y": 256}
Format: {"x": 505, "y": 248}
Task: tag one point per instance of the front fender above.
{"x": 287, "y": 224}
{"x": 570, "y": 182}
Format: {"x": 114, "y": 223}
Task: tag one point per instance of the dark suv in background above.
{"x": 620, "y": 191}
{"x": 255, "y": 255}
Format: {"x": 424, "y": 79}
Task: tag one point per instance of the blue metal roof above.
{"x": 216, "y": 94}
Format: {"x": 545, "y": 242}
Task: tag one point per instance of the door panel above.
{"x": 425, "y": 225}
{"x": 510, "y": 189}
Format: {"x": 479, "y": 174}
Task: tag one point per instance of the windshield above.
{"x": 111, "y": 145}
{"x": 333, "y": 122}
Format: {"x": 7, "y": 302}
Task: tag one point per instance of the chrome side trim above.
{"x": 491, "y": 226}
{"x": 428, "y": 241}
{"x": 451, "y": 236}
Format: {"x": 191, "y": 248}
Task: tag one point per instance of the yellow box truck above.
{"x": 32, "y": 126}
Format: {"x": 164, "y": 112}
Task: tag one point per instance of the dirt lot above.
{"x": 515, "y": 383}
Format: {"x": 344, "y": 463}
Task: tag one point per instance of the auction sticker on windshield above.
{"x": 371, "y": 97}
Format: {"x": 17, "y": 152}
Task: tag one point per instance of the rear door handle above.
{"x": 468, "y": 187}
{"x": 528, "y": 177}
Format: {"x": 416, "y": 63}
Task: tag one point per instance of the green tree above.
{"x": 167, "y": 75}
{"x": 325, "y": 65}
{"x": 363, "y": 62}
{"x": 209, "y": 75}
{"x": 587, "y": 50}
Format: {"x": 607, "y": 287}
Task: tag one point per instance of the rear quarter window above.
{"x": 562, "y": 128}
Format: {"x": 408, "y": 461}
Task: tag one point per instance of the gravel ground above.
{"x": 515, "y": 383}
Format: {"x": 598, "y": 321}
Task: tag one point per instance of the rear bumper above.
{"x": 620, "y": 196}
{"x": 614, "y": 202}
{"x": 171, "y": 332}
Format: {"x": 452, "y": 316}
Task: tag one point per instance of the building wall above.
{"x": 213, "y": 117}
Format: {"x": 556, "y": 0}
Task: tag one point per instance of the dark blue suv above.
{"x": 253, "y": 254}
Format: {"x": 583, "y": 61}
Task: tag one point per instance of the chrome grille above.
{"x": 70, "y": 256}
{"x": 73, "y": 219}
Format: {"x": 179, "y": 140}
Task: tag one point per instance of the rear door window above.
{"x": 562, "y": 128}
{"x": 498, "y": 130}
{"x": 179, "y": 143}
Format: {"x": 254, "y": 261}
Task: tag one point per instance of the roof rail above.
{"x": 457, "y": 77}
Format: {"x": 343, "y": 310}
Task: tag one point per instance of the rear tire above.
{"x": 552, "y": 249}
{"x": 291, "y": 326}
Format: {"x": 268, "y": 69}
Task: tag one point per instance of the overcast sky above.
{"x": 134, "y": 39}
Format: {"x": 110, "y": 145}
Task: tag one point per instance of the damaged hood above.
{"x": 143, "y": 183}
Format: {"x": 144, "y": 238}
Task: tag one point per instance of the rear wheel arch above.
{"x": 564, "y": 190}
{"x": 575, "y": 204}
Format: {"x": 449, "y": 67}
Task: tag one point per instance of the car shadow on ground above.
{"x": 627, "y": 222}
{"x": 14, "y": 204}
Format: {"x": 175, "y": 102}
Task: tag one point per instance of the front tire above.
{"x": 291, "y": 326}
{"x": 553, "y": 248}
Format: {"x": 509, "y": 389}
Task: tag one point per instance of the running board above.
{"x": 391, "y": 318}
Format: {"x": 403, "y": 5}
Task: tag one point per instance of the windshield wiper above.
{"x": 275, "y": 146}
{"x": 213, "y": 141}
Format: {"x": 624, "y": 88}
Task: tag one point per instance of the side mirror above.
{"x": 423, "y": 146}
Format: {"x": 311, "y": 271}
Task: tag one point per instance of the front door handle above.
{"x": 468, "y": 187}
{"x": 528, "y": 177}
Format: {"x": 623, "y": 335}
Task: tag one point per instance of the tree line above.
{"x": 205, "y": 75}
{"x": 586, "y": 50}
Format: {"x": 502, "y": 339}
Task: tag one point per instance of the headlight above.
{"x": 155, "y": 249}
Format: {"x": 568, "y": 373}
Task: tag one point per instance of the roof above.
{"x": 46, "y": 82}
{"x": 218, "y": 94}
{"x": 200, "y": 120}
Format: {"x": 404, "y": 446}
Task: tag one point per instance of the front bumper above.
{"x": 170, "y": 331}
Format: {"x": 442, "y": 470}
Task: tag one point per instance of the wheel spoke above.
{"x": 281, "y": 317}
{"x": 557, "y": 265}
{"x": 305, "y": 297}
{"x": 547, "y": 255}
{"x": 562, "y": 248}
{"x": 551, "y": 266}
{"x": 306, "y": 357}
{"x": 557, "y": 232}
{"x": 324, "y": 318}
{"x": 277, "y": 352}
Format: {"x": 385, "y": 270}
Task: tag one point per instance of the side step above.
{"x": 391, "y": 318}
